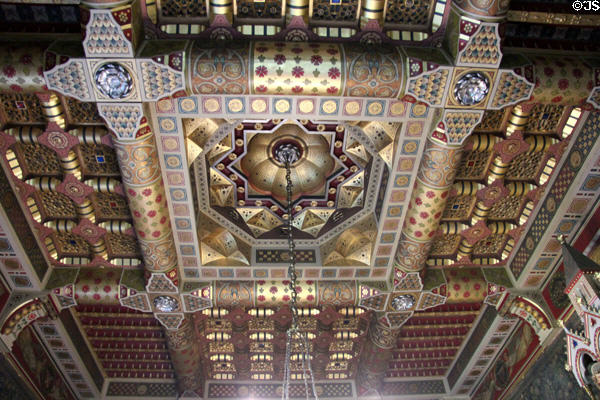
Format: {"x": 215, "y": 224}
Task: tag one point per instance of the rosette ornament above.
{"x": 309, "y": 172}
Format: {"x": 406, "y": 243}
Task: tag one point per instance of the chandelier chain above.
{"x": 294, "y": 333}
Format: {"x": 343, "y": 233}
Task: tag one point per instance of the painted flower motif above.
{"x": 261, "y": 88}
{"x": 156, "y": 234}
{"x": 456, "y": 286}
{"x": 9, "y": 71}
{"x": 142, "y": 234}
{"x": 131, "y": 192}
{"x": 332, "y": 90}
{"x": 412, "y": 220}
{"x": 418, "y": 234}
{"x": 16, "y": 88}
{"x": 332, "y": 52}
{"x": 279, "y": 59}
{"x": 316, "y": 59}
{"x": 430, "y": 194}
{"x": 424, "y": 214}
{"x": 158, "y": 198}
{"x": 310, "y": 297}
{"x": 285, "y": 298}
{"x": 298, "y": 72}
{"x": 557, "y": 99}
{"x": 309, "y": 282}
{"x": 261, "y": 71}
{"x": 273, "y": 289}
{"x": 176, "y": 61}
{"x": 548, "y": 71}
{"x": 467, "y": 294}
{"x": 151, "y": 213}
{"x": 163, "y": 220}
{"x": 334, "y": 73}
{"x": 261, "y": 49}
{"x": 261, "y": 282}
{"x": 297, "y": 50}
{"x": 96, "y": 297}
{"x": 418, "y": 201}
{"x": 85, "y": 288}
{"x": 298, "y": 289}
{"x": 297, "y": 89}
{"x": 261, "y": 298}
{"x": 106, "y": 289}
{"x": 26, "y": 59}
{"x": 147, "y": 192}
{"x": 137, "y": 214}
{"x": 477, "y": 286}
{"x": 563, "y": 84}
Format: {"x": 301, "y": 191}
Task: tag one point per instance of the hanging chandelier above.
{"x": 296, "y": 340}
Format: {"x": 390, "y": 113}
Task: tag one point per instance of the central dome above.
{"x": 309, "y": 170}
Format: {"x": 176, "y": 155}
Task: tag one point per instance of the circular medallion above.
{"x": 306, "y": 106}
{"x": 403, "y": 302}
{"x": 58, "y": 140}
{"x": 211, "y": 105}
{"x": 397, "y": 108}
{"x": 187, "y": 105}
{"x": 167, "y": 125}
{"x": 471, "y": 88}
{"x": 75, "y": 189}
{"x": 166, "y": 303}
{"x": 282, "y": 106}
{"x": 259, "y": 106}
{"x": 164, "y": 105}
{"x": 375, "y": 108}
{"x": 236, "y": 105}
{"x": 419, "y": 110}
{"x": 575, "y": 159}
{"x": 352, "y": 107}
{"x": 114, "y": 81}
{"x": 329, "y": 107}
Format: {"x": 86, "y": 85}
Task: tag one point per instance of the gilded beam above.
{"x": 296, "y": 68}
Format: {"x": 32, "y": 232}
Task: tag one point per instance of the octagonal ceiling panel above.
{"x": 246, "y": 183}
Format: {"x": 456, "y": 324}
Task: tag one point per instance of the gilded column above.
{"x": 21, "y": 68}
{"x": 137, "y": 154}
{"x": 295, "y": 9}
{"x": 565, "y": 80}
{"x": 184, "y": 350}
{"x": 221, "y": 10}
{"x": 372, "y": 10}
{"x": 438, "y": 167}
{"x": 490, "y": 11}
{"x": 375, "y": 357}
{"x": 434, "y": 179}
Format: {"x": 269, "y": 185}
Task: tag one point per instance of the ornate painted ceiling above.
{"x": 442, "y": 149}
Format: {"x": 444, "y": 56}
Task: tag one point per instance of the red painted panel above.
{"x": 31, "y": 356}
